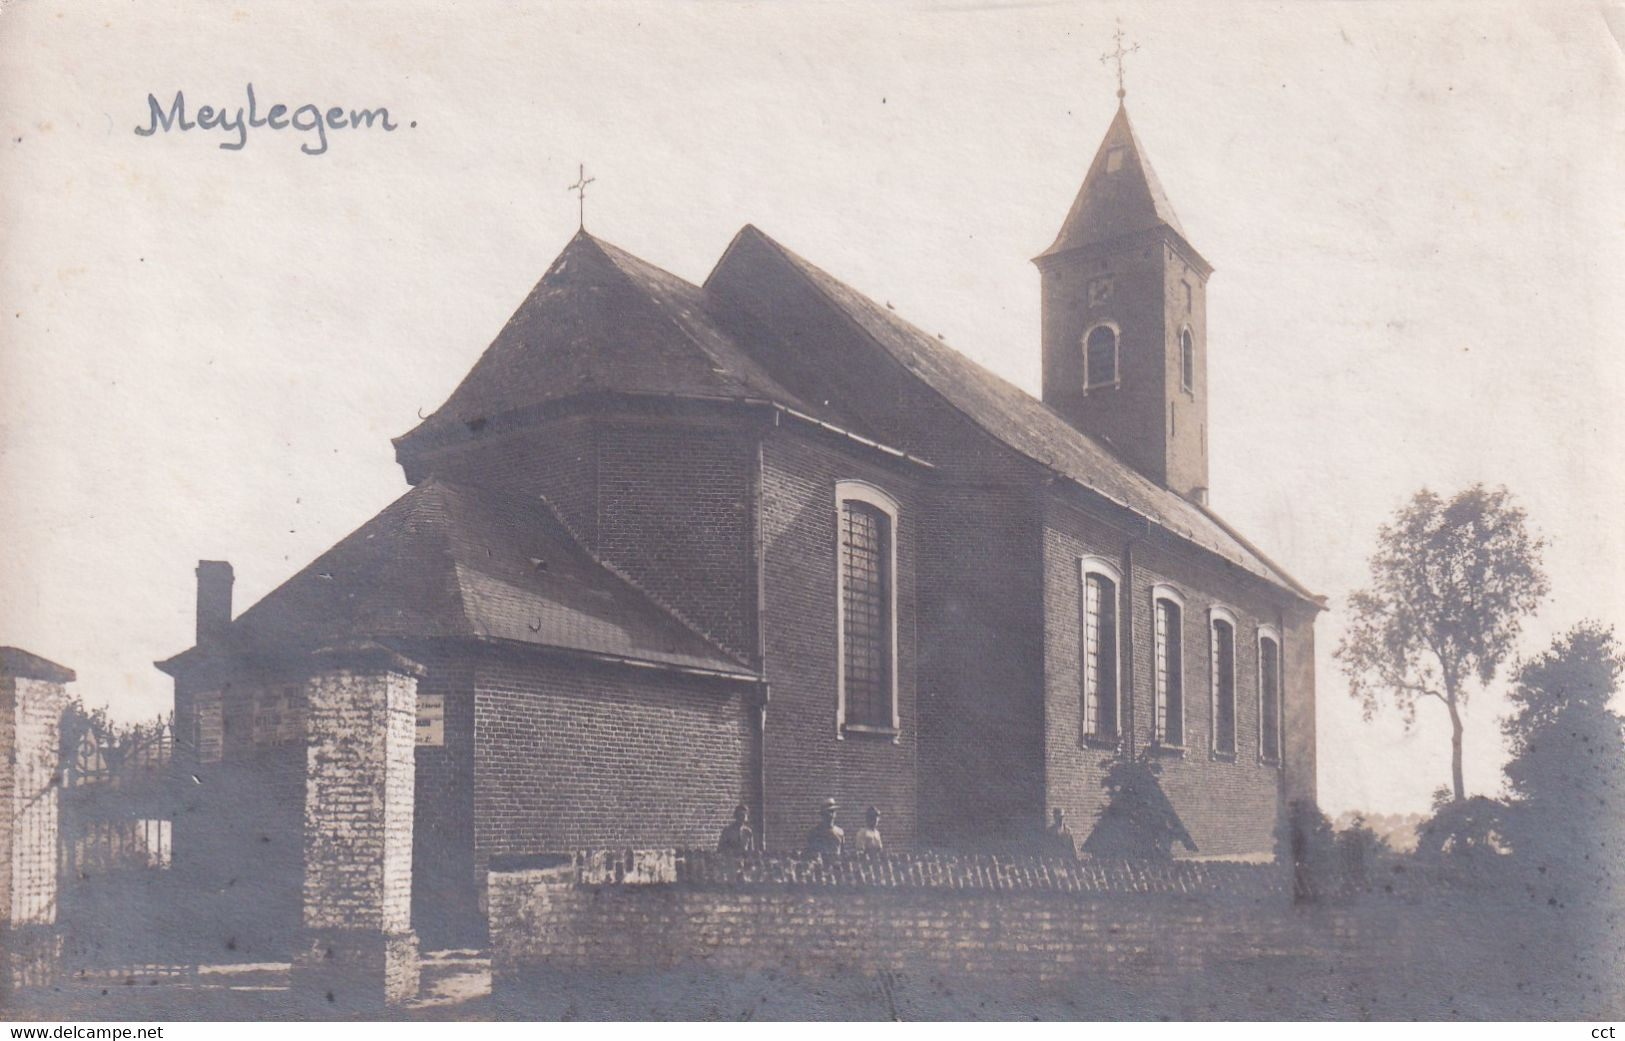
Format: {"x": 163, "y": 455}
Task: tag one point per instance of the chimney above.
{"x": 214, "y": 578}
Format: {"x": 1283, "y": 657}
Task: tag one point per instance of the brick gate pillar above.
{"x": 32, "y": 698}
{"x": 359, "y": 950}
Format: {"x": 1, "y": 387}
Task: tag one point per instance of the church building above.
{"x": 672, "y": 548}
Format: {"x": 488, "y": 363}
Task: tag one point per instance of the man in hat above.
{"x": 867, "y": 839}
{"x": 825, "y": 837}
{"x": 737, "y": 836}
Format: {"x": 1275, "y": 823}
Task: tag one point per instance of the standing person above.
{"x": 868, "y": 838}
{"x": 737, "y": 836}
{"x": 824, "y": 837}
{"x": 1058, "y": 837}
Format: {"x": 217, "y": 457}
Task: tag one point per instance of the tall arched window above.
{"x": 1222, "y": 640}
{"x": 1269, "y": 695}
{"x": 1100, "y": 641}
{"x": 866, "y": 609}
{"x": 1168, "y": 609}
{"x": 1100, "y": 356}
{"x": 1187, "y": 359}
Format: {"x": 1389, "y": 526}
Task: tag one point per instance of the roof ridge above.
{"x": 802, "y": 263}
{"x": 649, "y": 297}
{"x": 637, "y": 587}
{"x": 399, "y": 501}
{"x": 616, "y": 255}
{"x": 459, "y": 591}
{"x": 813, "y": 275}
{"x": 1252, "y": 548}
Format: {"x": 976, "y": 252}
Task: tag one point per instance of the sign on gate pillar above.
{"x": 33, "y": 696}
{"x": 359, "y": 949}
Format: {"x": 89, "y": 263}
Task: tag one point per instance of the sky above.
{"x": 1414, "y": 211}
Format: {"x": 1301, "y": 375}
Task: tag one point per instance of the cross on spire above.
{"x": 580, "y": 188}
{"x": 1118, "y": 55}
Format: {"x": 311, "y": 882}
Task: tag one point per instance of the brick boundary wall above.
{"x": 584, "y": 919}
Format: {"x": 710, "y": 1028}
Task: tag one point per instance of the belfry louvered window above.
{"x": 867, "y": 606}
{"x": 1100, "y": 357}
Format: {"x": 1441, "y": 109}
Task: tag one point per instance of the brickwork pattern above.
{"x": 445, "y": 889}
{"x": 359, "y": 800}
{"x": 926, "y": 869}
{"x": 808, "y": 758}
{"x": 28, "y": 778}
{"x": 1229, "y": 805}
{"x": 981, "y": 674}
{"x": 1133, "y": 414}
{"x": 558, "y": 461}
{"x": 674, "y": 514}
{"x": 570, "y": 754}
{"x": 546, "y": 920}
{"x": 978, "y": 678}
{"x": 8, "y": 789}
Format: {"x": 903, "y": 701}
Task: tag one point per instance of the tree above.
{"x": 1451, "y": 582}
{"x": 1463, "y": 834}
{"x": 1138, "y": 823}
{"x": 1567, "y": 766}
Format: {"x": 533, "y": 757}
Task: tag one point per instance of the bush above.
{"x": 1138, "y": 823}
{"x": 1326, "y": 863}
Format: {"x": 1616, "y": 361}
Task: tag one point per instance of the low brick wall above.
{"x": 984, "y": 918}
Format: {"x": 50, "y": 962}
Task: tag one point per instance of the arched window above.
{"x": 1269, "y": 695}
{"x": 1187, "y": 359}
{"x": 1100, "y": 356}
{"x": 1168, "y": 608}
{"x": 1100, "y": 642}
{"x": 1222, "y": 639}
{"x": 866, "y": 609}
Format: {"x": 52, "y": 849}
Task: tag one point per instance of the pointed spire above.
{"x": 1120, "y": 196}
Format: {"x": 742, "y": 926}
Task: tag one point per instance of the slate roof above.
{"x": 601, "y": 319}
{"x": 1115, "y": 204}
{"x": 446, "y": 560}
{"x": 1014, "y": 417}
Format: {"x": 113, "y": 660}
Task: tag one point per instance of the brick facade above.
{"x": 977, "y": 921}
{"x": 1229, "y": 804}
{"x": 359, "y": 949}
{"x": 445, "y": 904}
{"x": 809, "y": 757}
{"x": 568, "y": 754}
{"x": 33, "y": 697}
{"x": 34, "y": 707}
{"x": 691, "y": 440}
{"x": 674, "y": 515}
{"x": 663, "y": 499}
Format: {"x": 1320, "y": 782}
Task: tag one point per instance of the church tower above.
{"x": 1125, "y": 319}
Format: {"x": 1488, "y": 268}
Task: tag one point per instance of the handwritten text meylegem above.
{"x": 307, "y": 119}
